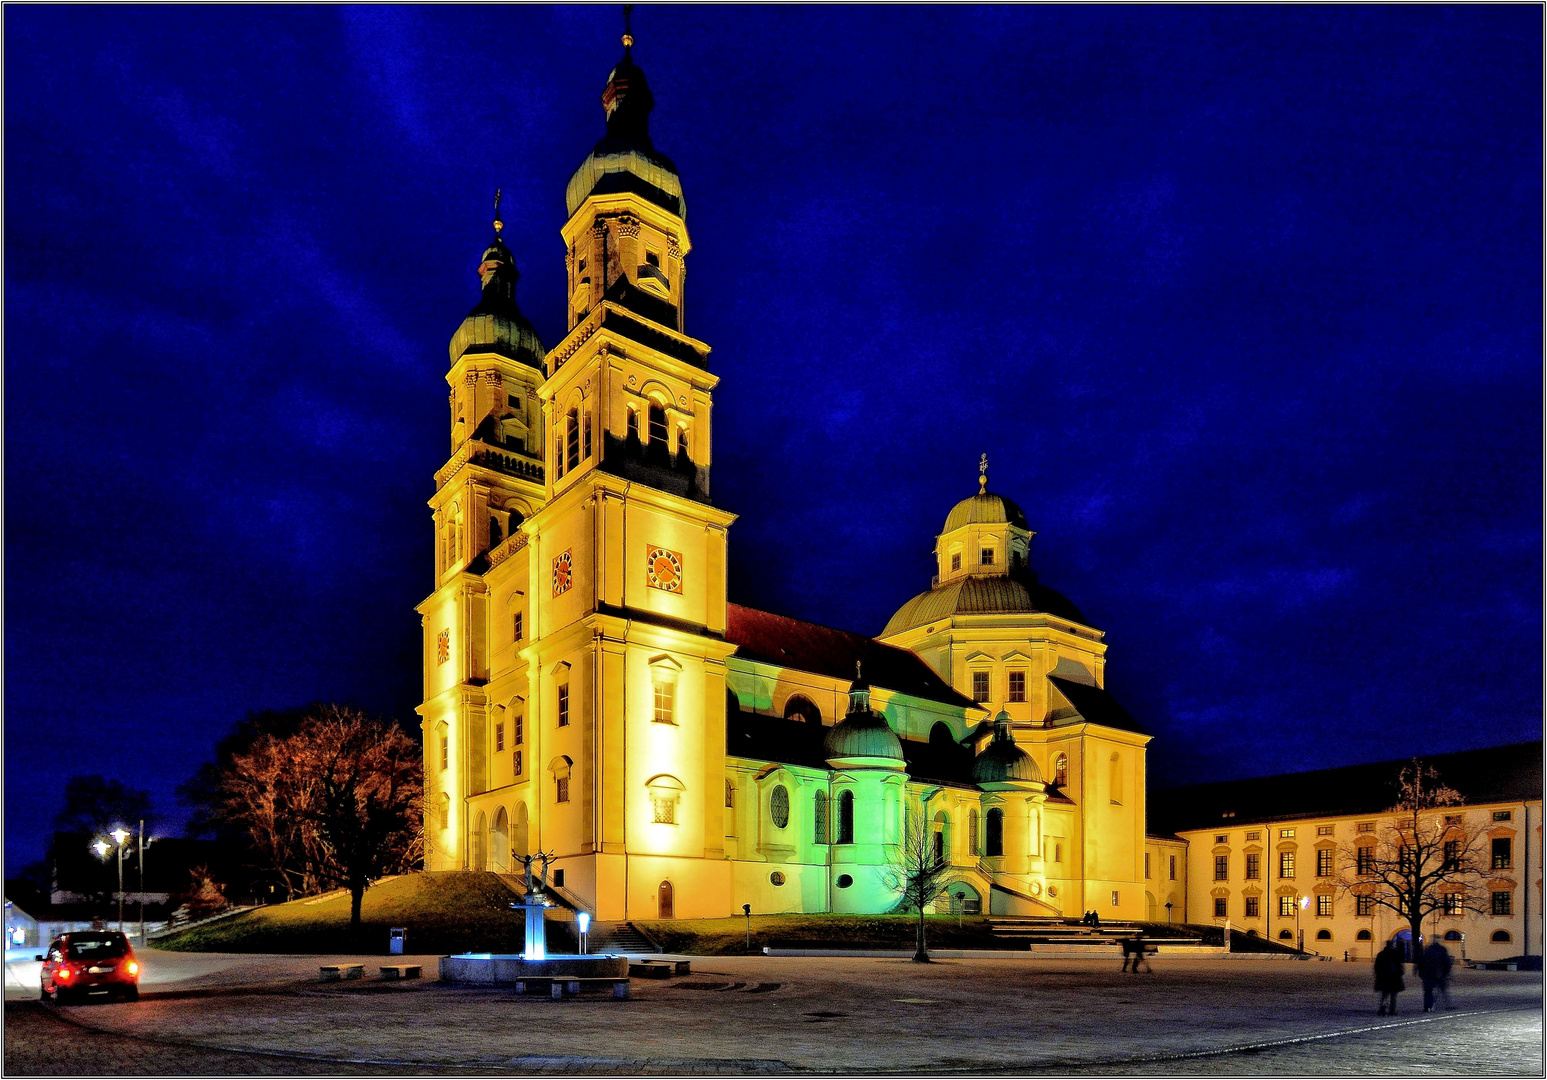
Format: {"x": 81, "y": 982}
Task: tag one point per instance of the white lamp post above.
{"x": 1301, "y": 904}
{"x": 583, "y": 918}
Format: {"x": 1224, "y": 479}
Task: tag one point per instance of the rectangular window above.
{"x": 652, "y": 258}
{"x": 563, "y": 704}
{"x": 1222, "y": 838}
{"x": 499, "y": 736}
{"x": 1364, "y": 906}
{"x": 1114, "y": 898}
{"x": 445, "y": 752}
{"x": 1452, "y": 855}
{"x": 1452, "y": 819}
{"x": 1255, "y": 834}
{"x": 1222, "y": 868}
{"x": 1324, "y": 862}
{"x": 1324, "y": 904}
{"x": 1501, "y": 815}
{"x": 1017, "y": 686}
{"x": 515, "y": 634}
{"x": 1173, "y": 867}
{"x": 1286, "y": 834}
{"x": 1503, "y": 903}
{"x": 1286, "y": 864}
{"x": 561, "y": 789}
{"x": 980, "y": 686}
{"x": 515, "y": 763}
{"x": 1366, "y": 860}
{"x": 1252, "y": 908}
{"x": 1404, "y": 860}
{"x": 1324, "y": 830}
{"x": 518, "y": 736}
{"x": 665, "y": 703}
{"x": 1286, "y": 907}
{"x": 1146, "y": 864}
{"x": 1501, "y": 853}
{"x": 665, "y": 811}
{"x": 956, "y": 560}
{"x": 558, "y": 879}
{"x": 515, "y": 402}
{"x": 1455, "y": 903}
{"x": 1253, "y": 867}
{"x": 986, "y": 556}
{"x": 1220, "y": 907}
{"x": 1365, "y": 826}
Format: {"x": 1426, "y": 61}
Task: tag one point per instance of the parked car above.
{"x": 90, "y": 962}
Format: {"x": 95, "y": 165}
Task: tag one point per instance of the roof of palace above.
{"x": 1493, "y": 775}
{"x": 822, "y": 650}
{"x": 981, "y": 594}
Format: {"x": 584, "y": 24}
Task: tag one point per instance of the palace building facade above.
{"x": 590, "y": 693}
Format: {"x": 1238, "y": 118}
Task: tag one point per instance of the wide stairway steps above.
{"x": 1030, "y": 930}
{"x": 617, "y": 937}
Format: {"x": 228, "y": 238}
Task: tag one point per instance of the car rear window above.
{"x": 92, "y": 948}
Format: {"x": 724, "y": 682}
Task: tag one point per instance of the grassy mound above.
{"x": 443, "y": 912}
{"x": 723, "y": 937}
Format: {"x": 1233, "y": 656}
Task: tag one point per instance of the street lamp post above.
{"x": 1301, "y": 903}
{"x": 119, "y": 835}
{"x": 1168, "y": 912}
{"x": 746, "y": 909}
{"x": 583, "y": 920}
{"x": 142, "y": 882}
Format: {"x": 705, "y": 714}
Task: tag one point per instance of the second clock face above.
{"x": 563, "y": 573}
{"x": 663, "y": 569}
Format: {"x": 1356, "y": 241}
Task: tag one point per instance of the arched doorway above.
{"x": 1151, "y": 907}
{"x": 499, "y": 842}
{"x": 476, "y": 856}
{"x": 518, "y": 838}
{"x": 665, "y": 904}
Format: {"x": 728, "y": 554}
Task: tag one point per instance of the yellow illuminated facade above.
{"x": 589, "y": 691}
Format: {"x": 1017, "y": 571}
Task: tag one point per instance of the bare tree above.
{"x": 915, "y": 871}
{"x": 1423, "y": 860}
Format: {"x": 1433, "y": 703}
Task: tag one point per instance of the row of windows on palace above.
{"x": 1501, "y": 902}
{"x": 1501, "y": 854}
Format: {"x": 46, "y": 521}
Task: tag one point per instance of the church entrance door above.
{"x": 664, "y": 901}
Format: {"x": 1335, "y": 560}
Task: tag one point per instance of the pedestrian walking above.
{"x": 1388, "y": 979}
{"x": 1434, "y": 970}
{"x": 1133, "y": 949}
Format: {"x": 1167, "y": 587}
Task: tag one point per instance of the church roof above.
{"x": 1096, "y": 705}
{"x": 797, "y": 742}
{"x": 822, "y": 650}
{"x": 1497, "y": 774}
{"x": 981, "y": 594}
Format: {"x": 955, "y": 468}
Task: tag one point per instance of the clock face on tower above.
{"x": 663, "y": 569}
{"x": 563, "y": 575}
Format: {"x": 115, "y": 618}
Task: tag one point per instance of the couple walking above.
{"x": 1434, "y": 964}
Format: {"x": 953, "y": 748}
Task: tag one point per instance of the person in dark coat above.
{"x": 1434, "y": 969}
{"x": 1388, "y": 979}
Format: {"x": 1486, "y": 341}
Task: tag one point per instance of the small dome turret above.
{"x": 862, "y": 733}
{"x": 1002, "y": 761}
{"x": 496, "y": 324}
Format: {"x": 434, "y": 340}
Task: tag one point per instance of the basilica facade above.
{"x": 590, "y": 692}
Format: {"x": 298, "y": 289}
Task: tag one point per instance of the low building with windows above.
{"x": 1281, "y": 857}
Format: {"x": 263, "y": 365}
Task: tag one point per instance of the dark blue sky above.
{"x": 1243, "y": 303}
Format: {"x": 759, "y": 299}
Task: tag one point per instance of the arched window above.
{"x": 779, "y": 807}
{"x": 1363, "y": 935}
{"x": 1500, "y": 936}
{"x": 819, "y": 816}
{"x": 1061, "y": 770}
{"x": 942, "y": 843}
{"x": 633, "y": 424}
{"x": 1285, "y": 935}
{"x": 846, "y": 817}
{"x": 1324, "y": 935}
{"x": 730, "y": 795}
{"x": 799, "y": 707}
{"x": 444, "y": 806}
{"x": 499, "y": 842}
{"x": 995, "y": 837}
{"x": 973, "y": 847}
{"x": 658, "y": 430}
{"x": 518, "y": 832}
{"x": 682, "y": 439}
{"x": 572, "y": 438}
{"x": 1452, "y": 935}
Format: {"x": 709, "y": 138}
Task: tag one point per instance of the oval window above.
{"x": 776, "y": 877}
{"x": 844, "y": 881}
{"x": 779, "y": 807}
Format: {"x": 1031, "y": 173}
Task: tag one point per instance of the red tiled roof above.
{"x": 821, "y": 650}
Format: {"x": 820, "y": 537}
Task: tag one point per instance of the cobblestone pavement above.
{"x": 780, "y": 1015}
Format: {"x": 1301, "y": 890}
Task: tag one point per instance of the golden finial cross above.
{"x": 982, "y": 474}
{"x": 498, "y": 224}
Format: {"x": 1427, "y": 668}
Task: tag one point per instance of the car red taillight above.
{"x": 132, "y": 968}
{"x": 63, "y": 973}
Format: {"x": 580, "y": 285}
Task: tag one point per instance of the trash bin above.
{"x": 395, "y": 938}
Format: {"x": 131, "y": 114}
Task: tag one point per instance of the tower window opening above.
{"x": 652, "y": 258}
{"x": 986, "y": 557}
{"x": 956, "y": 560}
{"x": 658, "y": 431}
{"x": 572, "y": 438}
{"x": 1017, "y": 686}
{"x": 496, "y": 534}
{"x": 1061, "y": 770}
{"x": 585, "y": 435}
{"x": 633, "y": 423}
{"x": 980, "y": 686}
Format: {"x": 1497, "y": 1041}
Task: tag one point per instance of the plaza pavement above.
{"x": 221, "y": 1014}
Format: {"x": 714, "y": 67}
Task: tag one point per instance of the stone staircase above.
{"x": 619, "y": 937}
{"x": 1032, "y": 931}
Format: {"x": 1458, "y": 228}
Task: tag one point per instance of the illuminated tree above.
{"x": 916, "y": 872}
{"x": 1422, "y": 860}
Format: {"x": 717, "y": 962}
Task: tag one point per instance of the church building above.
{"x": 591, "y": 693}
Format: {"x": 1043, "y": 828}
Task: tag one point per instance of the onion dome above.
{"x": 985, "y": 508}
{"x": 496, "y": 324}
{"x": 977, "y": 595}
{"x": 1002, "y": 761}
{"x": 863, "y": 733}
{"x": 625, "y": 159}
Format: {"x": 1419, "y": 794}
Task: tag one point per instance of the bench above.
{"x": 400, "y": 971}
{"x": 558, "y": 985}
{"x": 659, "y": 969}
{"x": 335, "y": 972}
